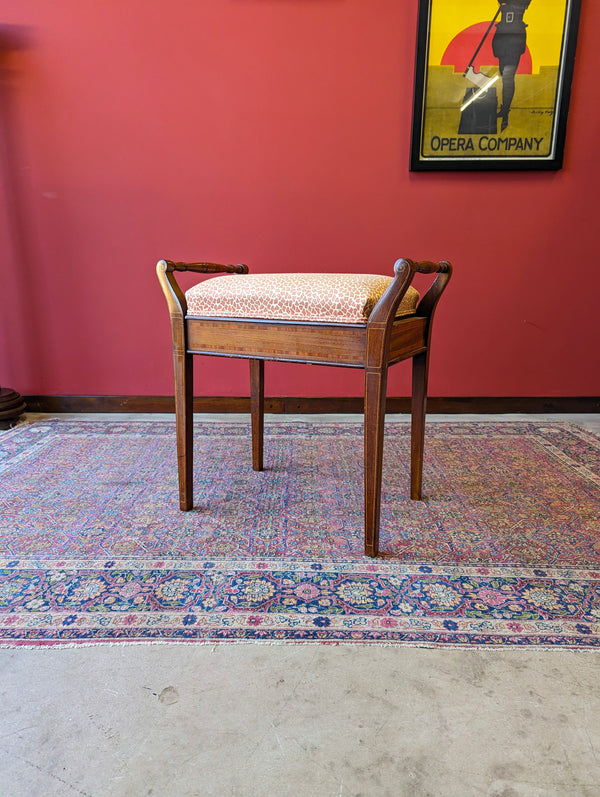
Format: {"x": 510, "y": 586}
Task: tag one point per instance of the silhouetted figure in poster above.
{"x": 509, "y": 44}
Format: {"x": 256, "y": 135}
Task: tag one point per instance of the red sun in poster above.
{"x": 462, "y": 47}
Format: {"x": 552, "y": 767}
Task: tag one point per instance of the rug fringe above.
{"x": 486, "y": 647}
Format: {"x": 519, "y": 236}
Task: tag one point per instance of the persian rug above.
{"x": 503, "y": 550}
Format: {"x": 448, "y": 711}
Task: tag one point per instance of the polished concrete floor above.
{"x": 305, "y": 720}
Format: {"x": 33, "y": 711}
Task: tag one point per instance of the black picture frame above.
{"x": 464, "y": 117}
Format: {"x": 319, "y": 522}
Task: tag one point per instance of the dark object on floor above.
{"x": 11, "y": 407}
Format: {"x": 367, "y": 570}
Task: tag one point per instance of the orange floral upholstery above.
{"x": 329, "y": 298}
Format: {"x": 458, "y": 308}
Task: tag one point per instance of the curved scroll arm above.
{"x": 379, "y": 325}
{"x": 174, "y": 295}
{"x": 404, "y": 272}
{"x": 386, "y": 307}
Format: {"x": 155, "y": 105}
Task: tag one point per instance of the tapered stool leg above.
{"x": 257, "y": 411}
{"x": 417, "y": 437}
{"x": 375, "y": 387}
{"x": 184, "y": 418}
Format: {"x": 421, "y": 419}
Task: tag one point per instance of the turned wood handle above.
{"x": 423, "y": 266}
{"x": 205, "y": 268}
{"x": 428, "y": 302}
{"x": 404, "y": 270}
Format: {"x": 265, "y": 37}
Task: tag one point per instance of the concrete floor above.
{"x": 310, "y": 720}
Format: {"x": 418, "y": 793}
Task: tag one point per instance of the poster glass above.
{"x": 492, "y": 83}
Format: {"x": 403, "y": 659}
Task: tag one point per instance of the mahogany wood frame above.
{"x": 382, "y": 341}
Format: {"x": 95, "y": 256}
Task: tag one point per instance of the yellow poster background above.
{"x": 531, "y": 120}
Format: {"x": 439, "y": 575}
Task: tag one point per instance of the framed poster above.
{"x": 492, "y": 83}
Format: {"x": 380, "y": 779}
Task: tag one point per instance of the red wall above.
{"x": 275, "y": 133}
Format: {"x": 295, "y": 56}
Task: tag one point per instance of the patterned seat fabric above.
{"x": 328, "y": 298}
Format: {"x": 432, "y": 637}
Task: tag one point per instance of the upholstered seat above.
{"x": 363, "y": 321}
{"x": 317, "y": 298}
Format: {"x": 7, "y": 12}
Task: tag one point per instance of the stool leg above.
{"x": 257, "y": 411}
{"x": 417, "y": 434}
{"x": 375, "y": 387}
{"x": 184, "y": 400}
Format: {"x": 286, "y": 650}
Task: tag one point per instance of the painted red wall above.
{"x": 275, "y": 133}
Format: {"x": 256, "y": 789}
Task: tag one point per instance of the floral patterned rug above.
{"x": 504, "y": 549}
